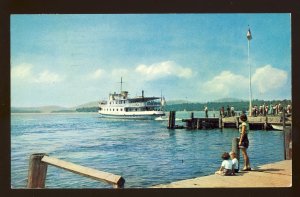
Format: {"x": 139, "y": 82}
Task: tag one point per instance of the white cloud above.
{"x": 47, "y": 77}
{"x": 97, "y": 74}
{"x": 21, "y": 71}
{"x": 226, "y": 84}
{"x": 24, "y": 73}
{"x": 163, "y": 69}
{"x": 268, "y": 78}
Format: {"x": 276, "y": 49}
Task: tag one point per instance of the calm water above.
{"x": 145, "y": 153}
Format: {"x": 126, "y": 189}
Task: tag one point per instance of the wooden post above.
{"x": 235, "y": 148}
{"x": 170, "y": 120}
{"x": 198, "y": 124}
{"x": 192, "y": 121}
{"x": 171, "y": 123}
{"x": 283, "y": 117}
{"x": 220, "y": 122}
{"x": 237, "y": 122}
{"x": 265, "y": 123}
{"x": 173, "y": 119}
{"x": 287, "y": 143}
{"x": 37, "y": 171}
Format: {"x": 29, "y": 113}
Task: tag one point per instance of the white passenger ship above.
{"x": 119, "y": 105}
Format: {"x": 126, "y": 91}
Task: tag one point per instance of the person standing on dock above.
{"x": 244, "y": 142}
{"x": 271, "y": 109}
{"x": 206, "y": 112}
{"x": 228, "y": 111}
{"x": 222, "y": 111}
{"x": 232, "y": 111}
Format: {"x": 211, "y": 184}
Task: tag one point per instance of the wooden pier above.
{"x": 278, "y": 174}
{"x": 255, "y": 123}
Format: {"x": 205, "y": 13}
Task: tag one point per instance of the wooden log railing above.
{"x": 38, "y": 164}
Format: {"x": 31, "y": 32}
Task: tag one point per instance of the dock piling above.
{"x": 220, "y": 122}
{"x": 199, "y": 124}
{"x": 37, "y": 171}
{"x": 237, "y": 122}
{"x": 235, "y": 148}
{"x": 283, "y": 119}
{"x": 287, "y": 143}
{"x": 172, "y": 116}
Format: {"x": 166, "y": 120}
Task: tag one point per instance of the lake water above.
{"x": 144, "y": 152}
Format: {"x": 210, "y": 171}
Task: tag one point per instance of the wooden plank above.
{"x": 110, "y": 178}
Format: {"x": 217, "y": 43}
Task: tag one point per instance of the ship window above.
{"x": 135, "y": 109}
{"x": 117, "y": 109}
{"x": 121, "y": 109}
{"x": 113, "y": 109}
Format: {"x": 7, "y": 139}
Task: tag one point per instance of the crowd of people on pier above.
{"x": 261, "y": 110}
{"x": 228, "y": 113}
{"x": 271, "y": 109}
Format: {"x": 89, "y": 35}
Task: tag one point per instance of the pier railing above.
{"x": 38, "y": 165}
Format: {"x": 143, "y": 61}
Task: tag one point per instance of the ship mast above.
{"x": 121, "y": 84}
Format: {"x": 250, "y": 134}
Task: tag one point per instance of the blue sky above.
{"x": 68, "y": 60}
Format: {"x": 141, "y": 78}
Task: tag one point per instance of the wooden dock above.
{"x": 277, "y": 174}
{"x": 255, "y": 123}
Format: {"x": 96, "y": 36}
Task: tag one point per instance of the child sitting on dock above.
{"x": 235, "y": 162}
{"x": 226, "y": 168}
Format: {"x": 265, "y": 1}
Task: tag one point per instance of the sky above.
{"x": 68, "y": 60}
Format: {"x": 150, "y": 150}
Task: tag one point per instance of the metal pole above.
{"x": 250, "y": 89}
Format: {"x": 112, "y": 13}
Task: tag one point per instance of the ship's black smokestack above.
{"x": 143, "y": 93}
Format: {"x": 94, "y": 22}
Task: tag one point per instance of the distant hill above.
{"x": 86, "y": 105}
{"x": 42, "y": 109}
{"x": 228, "y": 100}
{"x": 174, "y": 102}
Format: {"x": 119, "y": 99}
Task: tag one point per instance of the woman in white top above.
{"x": 244, "y": 142}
